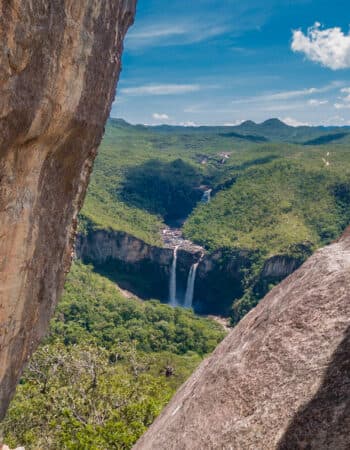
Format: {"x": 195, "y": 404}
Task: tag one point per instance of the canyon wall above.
{"x": 280, "y": 380}
{"x": 135, "y": 265}
{"x": 145, "y": 269}
{"x": 59, "y": 62}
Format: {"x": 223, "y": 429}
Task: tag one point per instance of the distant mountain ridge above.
{"x": 272, "y": 129}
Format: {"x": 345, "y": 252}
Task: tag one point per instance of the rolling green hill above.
{"x": 270, "y": 195}
{"x": 265, "y": 191}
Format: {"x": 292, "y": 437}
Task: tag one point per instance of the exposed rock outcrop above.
{"x": 280, "y": 380}
{"x": 279, "y": 266}
{"x": 59, "y": 62}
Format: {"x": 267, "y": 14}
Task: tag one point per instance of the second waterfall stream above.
{"x": 190, "y": 286}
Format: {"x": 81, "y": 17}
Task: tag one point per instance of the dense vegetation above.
{"x": 276, "y": 189}
{"x": 272, "y": 207}
{"x": 110, "y": 364}
{"x": 106, "y": 370}
{"x": 168, "y": 189}
{"x": 144, "y": 176}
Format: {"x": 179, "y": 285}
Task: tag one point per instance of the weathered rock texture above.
{"x": 281, "y": 379}
{"x": 59, "y": 62}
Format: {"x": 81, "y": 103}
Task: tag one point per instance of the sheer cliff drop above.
{"x": 59, "y": 63}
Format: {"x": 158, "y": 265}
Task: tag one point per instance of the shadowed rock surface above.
{"x": 59, "y": 62}
{"x": 281, "y": 379}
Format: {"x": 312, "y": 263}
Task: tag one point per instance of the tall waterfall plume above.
{"x": 190, "y": 286}
{"x": 172, "y": 284}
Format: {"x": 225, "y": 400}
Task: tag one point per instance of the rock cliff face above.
{"x": 280, "y": 380}
{"x": 145, "y": 269}
{"x": 137, "y": 266}
{"x": 279, "y": 266}
{"x": 59, "y": 62}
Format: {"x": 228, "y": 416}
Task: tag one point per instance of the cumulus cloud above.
{"x": 158, "y": 116}
{"x": 329, "y": 47}
{"x": 161, "y": 89}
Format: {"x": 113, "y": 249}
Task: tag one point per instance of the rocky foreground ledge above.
{"x": 59, "y": 62}
{"x": 281, "y": 379}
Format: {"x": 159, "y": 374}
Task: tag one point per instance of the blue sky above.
{"x": 225, "y": 61}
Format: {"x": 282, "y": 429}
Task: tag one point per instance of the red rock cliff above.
{"x": 281, "y": 379}
{"x": 59, "y": 62}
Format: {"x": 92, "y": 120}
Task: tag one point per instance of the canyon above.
{"x": 147, "y": 270}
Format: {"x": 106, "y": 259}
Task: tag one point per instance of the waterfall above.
{"x": 172, "y": 284}
{"x": 190, "y": 286}
{"x": 207, "y": 196}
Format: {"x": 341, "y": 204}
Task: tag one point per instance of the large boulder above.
{"x": 59, "y": 63}
{"x": 281, "y": 379}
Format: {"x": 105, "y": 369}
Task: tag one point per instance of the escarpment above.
{"x": 145, "y": 269}
{"x": 280, "y": 380}
{"x": 59, "y": 62}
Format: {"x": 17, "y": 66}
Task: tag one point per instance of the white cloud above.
{"x": 155, "y": 32}
{"x": 342, "y": 105}
{"x": 314, "y": 102}
{"x": 294, "y": 122}
{"x": 329, "y": 47}
{"x": 336, "y": 121}
{"x": 289, "y": 95}
{"x": 233, "y": 124}
{"x": 344, "y": 99}
{"x": 161, "y": 89}
{"x": 188, "y": 124}
{"x": 158, "y": 116}
{"x": 166, "y": 34}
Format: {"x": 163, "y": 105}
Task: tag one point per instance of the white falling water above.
{"x": 172, "y": 284}
{"x": 190, "y": 286}
{"x": 207, "y": 196}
